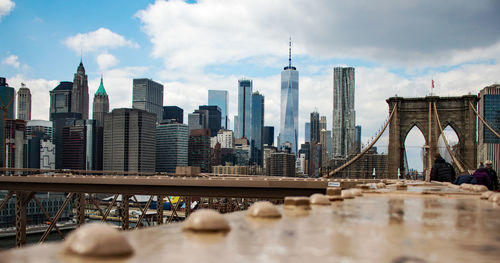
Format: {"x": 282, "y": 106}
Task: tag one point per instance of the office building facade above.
{"x": 289, "y": 110}
{"x": 344, "y": 116}
{"x": 199, "y": 149}
{"x": 281, "y": 164}
{"x": 173, "y": 114}
{"x": 7, "y": 95}
{"x": 41, "y": 149}
{"x": 245, "y": 87}
{"x": 60, "y": 98}
{"x": 256, "y": 141}
{"x": 80, "y": 93}
{"x": 214, "y": 118}
{"x": 268, "y": 136}
{"x": 16, "y": 146}
{"x": 198, "y": 120}
{"x": 307, "y": 132}
{"x": 129, "y": 140}
{"x": 171, "y": 146}
{"x": 220, "y": 98}
{"x": 488, "y": 147}
{"x": 315, "y": 128}
{"x": 59, "y": 121}
{"x": 148, "y": 95}
{"x": 24, "y": 103}
{"x": 226, "y": 139}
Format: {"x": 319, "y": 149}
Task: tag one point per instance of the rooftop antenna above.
{"x": 290, "y": 53}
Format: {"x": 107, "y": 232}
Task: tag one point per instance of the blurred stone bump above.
{"x": 319, "y": 199}
{"x": 97, "y": 240}
{"x": 206, "y": 220}
{"x": 292, "y": 202}
{"x": 263, "y": 209}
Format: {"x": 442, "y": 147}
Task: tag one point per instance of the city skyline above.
{"x": 457, "y": 50}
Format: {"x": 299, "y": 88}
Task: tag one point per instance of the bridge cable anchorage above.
{"x": 459, "y": 165}
{"x": 342, "y": 167}
{"x": 483, "y": 120}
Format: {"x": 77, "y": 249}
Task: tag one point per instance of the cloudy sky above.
{"x": 397, "y": 47}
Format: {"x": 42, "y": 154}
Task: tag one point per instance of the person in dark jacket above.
{"x": 441, "y": 170}
{"x": 482, "y": 177}
{"x": 492, "y": 174}
{"x": 465, "y": 179}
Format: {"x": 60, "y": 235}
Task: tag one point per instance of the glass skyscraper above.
{"x": 256, "y": 141}
{"x": 344, "y": 116}
{"x": 289, "y": 116}
{"x": 171, "y": 146}
{"x": 219, "y": 98}
{"x": 244, "y": 108}
{"x": 488, "y": 147}
{"x": 148, "y": 95}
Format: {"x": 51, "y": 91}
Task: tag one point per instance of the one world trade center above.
{"x": 289, "y": 117}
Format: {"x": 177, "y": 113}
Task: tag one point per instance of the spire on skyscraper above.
{"x": 101, "y": 90}
{"x": 290, "y": 53}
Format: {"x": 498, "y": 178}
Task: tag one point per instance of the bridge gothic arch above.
{"x": 410, "y": 112}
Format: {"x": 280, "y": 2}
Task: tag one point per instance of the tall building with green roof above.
{"x": 101, "y": 105}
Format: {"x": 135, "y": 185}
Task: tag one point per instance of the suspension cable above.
{"x": 483, "y": 121}
{"x": 460, "y": 167}
{"x": 342, "y": 167}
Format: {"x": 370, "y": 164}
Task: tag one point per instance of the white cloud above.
{"x": 39, "y": 93}
{"x": 5, "y": 7}
{"x": 12, "y": 60}
{"x": 101, "y": 39}
{"x": 106, "y": 60}
{"x": 416, "y": 34}
{"x": 118, "y": 85}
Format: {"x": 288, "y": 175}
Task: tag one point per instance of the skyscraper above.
{"x": 268, "y": 136}
{"x": 78, "y": 145}
{"x": 489, "y": 145}
{"x": 344, "y": 116}
{"x": 15, "y": 144}
{"x": 315, "y": 127}
{"x": 322, "y": 123}
{"x": 289, "y": 116}
{"x": 214, "y": 118}
{"x": 100, "y": 108}
{"x": 24, "y": 103}
{"x": 129, "y": 140}
{"x": 41, "y": 149}
{"x": 60, "y": 98}
{"x": 199, "y": 149}
{"x": 80, "y": 93}
{"x": 171, "y": 146}
{"x": 7, "y": 108}
{"x": 148, "y": 95}
{"x": 220, "y": 98}
{"x": 198, "y": 120}
{"x": 244, "y": 108}
{"x": 307, "y": 132}
{"x": 256, "y": 142}
{"x": 357, "y": 142}
{"x": 101, "y": 105}
{"x": 173, "y": 114}
{"x": 61, "y": 120}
